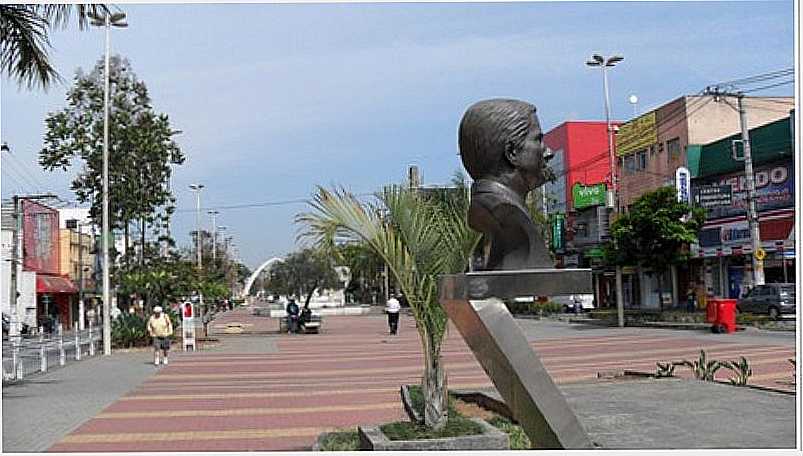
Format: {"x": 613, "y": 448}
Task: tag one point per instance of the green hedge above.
{"x": 534, "y": 308}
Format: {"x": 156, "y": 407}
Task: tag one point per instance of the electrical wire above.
{"x": 770, "y": 86}
{"x": 759, "y": 77}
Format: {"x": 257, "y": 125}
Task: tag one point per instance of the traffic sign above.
{"x": 760, "y": 254}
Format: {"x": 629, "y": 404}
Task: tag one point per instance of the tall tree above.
{"x": 304, "y": 272}
{"x": 24, "y": 34}
{"x": 141, "y": 149}
{"x": 655, "y": 233}
{"x": 420, "y": 239}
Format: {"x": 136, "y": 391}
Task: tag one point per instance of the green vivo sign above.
{"x": 585, "y": 196}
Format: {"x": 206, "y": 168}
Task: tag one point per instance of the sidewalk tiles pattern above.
{"x": 349, "y": 374}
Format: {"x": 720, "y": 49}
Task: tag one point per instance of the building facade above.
{"x": 724, "y": 249}
{"x": 576, "y": 200}
{"x": 652, "y": 147}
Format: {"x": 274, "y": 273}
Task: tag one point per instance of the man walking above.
{"x": 393, "y": 308}
{"x": 160, "y": 329}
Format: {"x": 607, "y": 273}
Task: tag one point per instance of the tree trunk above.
{"x": 309, "y": 296}
{"x": 659, "y": 276}
{"x": 434, "y": 386}
{"x": 142, "y": 241}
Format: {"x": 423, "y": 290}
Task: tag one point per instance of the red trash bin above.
{"x": 711, "y": 310}
{"x": 722, "y": 314}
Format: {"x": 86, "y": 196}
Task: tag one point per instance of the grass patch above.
{"x": 518, "y": 439}
{"x": 456, "y": 426}
{"x": 341, "y": 441}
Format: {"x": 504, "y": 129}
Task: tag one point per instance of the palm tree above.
{"x": 420, "y": 239}
{"x": 24, "y": 30}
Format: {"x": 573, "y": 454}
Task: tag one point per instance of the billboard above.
{"x": 588, "y": 195}
{"x": 40, "y": 238}
{"x": 637, "y": 134}
{"x": 775, "y": 189}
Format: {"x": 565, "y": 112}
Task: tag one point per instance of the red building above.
{"x": 576, "y": 201}
{"x": 40, "y": 238}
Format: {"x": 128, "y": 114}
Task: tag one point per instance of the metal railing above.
{"x": 25, "y": 356}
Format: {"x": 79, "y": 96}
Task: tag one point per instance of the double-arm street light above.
{"x": 599, "y": 61}
{"x": 197, "y": 189}
{"x": 107, "y": 20}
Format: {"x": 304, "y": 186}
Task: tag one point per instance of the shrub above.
{"x": 341, "y": 441}
{"x": 742, "y": 370}
{"x": 665, "y": 370}
{"x": 129, "y": 330}
{"x": 702, "y": 368}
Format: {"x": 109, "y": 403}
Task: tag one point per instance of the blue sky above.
{"x": 276, "y": 98}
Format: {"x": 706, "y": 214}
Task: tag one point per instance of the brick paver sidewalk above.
{"x": 349, "y": 374}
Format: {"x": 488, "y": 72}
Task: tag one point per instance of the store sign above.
{"x": 637, "y": 134}
{"x": 735, "y": 233}
{"x": 558, "y": 223}
{"x": 587, "y": 196}
{"x": 682, "y": 182}
{"x": 710, "y": 196}
{"x": 774, "y": 190}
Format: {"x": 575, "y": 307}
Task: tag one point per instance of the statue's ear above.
{"x": 511, "y": 154}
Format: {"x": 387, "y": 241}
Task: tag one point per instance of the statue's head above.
{"x": 503, "y": 137}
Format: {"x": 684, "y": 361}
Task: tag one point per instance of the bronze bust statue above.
{"x": 502, "y": 148}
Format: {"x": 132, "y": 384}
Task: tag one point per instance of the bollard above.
{"x": 91, "y": 341}
{"x": 41, "y": 332}
{"x": 62, "y": 353}
{"x": 15, "y": 359}
{"x": 42, "y": 358}
{"x": 77, "y": 347}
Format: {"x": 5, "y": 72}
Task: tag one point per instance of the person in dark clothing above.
{"x": 292, "y": 316}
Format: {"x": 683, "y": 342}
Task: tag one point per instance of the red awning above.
{"x": 54, "y": 284}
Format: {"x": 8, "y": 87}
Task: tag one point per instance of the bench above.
{"x": 311, "y": 327}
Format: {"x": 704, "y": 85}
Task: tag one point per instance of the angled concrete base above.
{"x": 473, "y": 303}
{"x": 372, "y": 438}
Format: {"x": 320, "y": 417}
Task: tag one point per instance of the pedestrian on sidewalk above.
{"x": 393, "y": 308}
{"x": 160, "y": 328}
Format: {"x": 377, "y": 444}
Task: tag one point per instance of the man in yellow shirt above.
{"x": 160, "y": 329}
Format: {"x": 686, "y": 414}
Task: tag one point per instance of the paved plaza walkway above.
{"x": 278, "y": 392}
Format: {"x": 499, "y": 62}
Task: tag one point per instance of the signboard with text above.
{"x": 682, "y": 183}
{"x": 710, "y": 196}
{"x": 587, "y": 196}
{"x": 637, "y": 134}
{"x": 775, "y": 185}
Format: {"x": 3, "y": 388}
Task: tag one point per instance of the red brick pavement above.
{"x": 347, "y": 375}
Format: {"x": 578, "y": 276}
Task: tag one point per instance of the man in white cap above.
{"x": 160, "y": 329}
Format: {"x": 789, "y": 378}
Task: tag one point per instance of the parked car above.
{"x": 7, "y": 325}
{"x": 576, "y": 303}
{"x": 773, "y": 299}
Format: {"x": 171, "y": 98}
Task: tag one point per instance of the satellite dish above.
{"x": 633, "y": 99}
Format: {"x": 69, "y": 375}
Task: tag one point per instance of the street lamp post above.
{"x": 197, "y": 189}
{"x": 599, "y": 61}
{"x": 214, "y": 214}
{"x": 106, "y": 20}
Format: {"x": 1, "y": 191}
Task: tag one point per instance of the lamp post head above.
{"x": 614, "y": 60}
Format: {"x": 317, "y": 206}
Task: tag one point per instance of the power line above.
{"x": 264, "y": 204}
{"x": 759, "y": 78}
{"x": 770, "y": 86}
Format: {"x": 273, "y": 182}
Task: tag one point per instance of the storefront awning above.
{"x": 54, "y": 284}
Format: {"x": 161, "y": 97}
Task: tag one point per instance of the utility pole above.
{"x": 752, "y": 213}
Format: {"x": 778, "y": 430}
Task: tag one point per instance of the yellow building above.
{"x": 76, "y": 254}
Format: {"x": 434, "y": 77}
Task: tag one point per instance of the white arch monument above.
{"x": 250, "y": 282}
